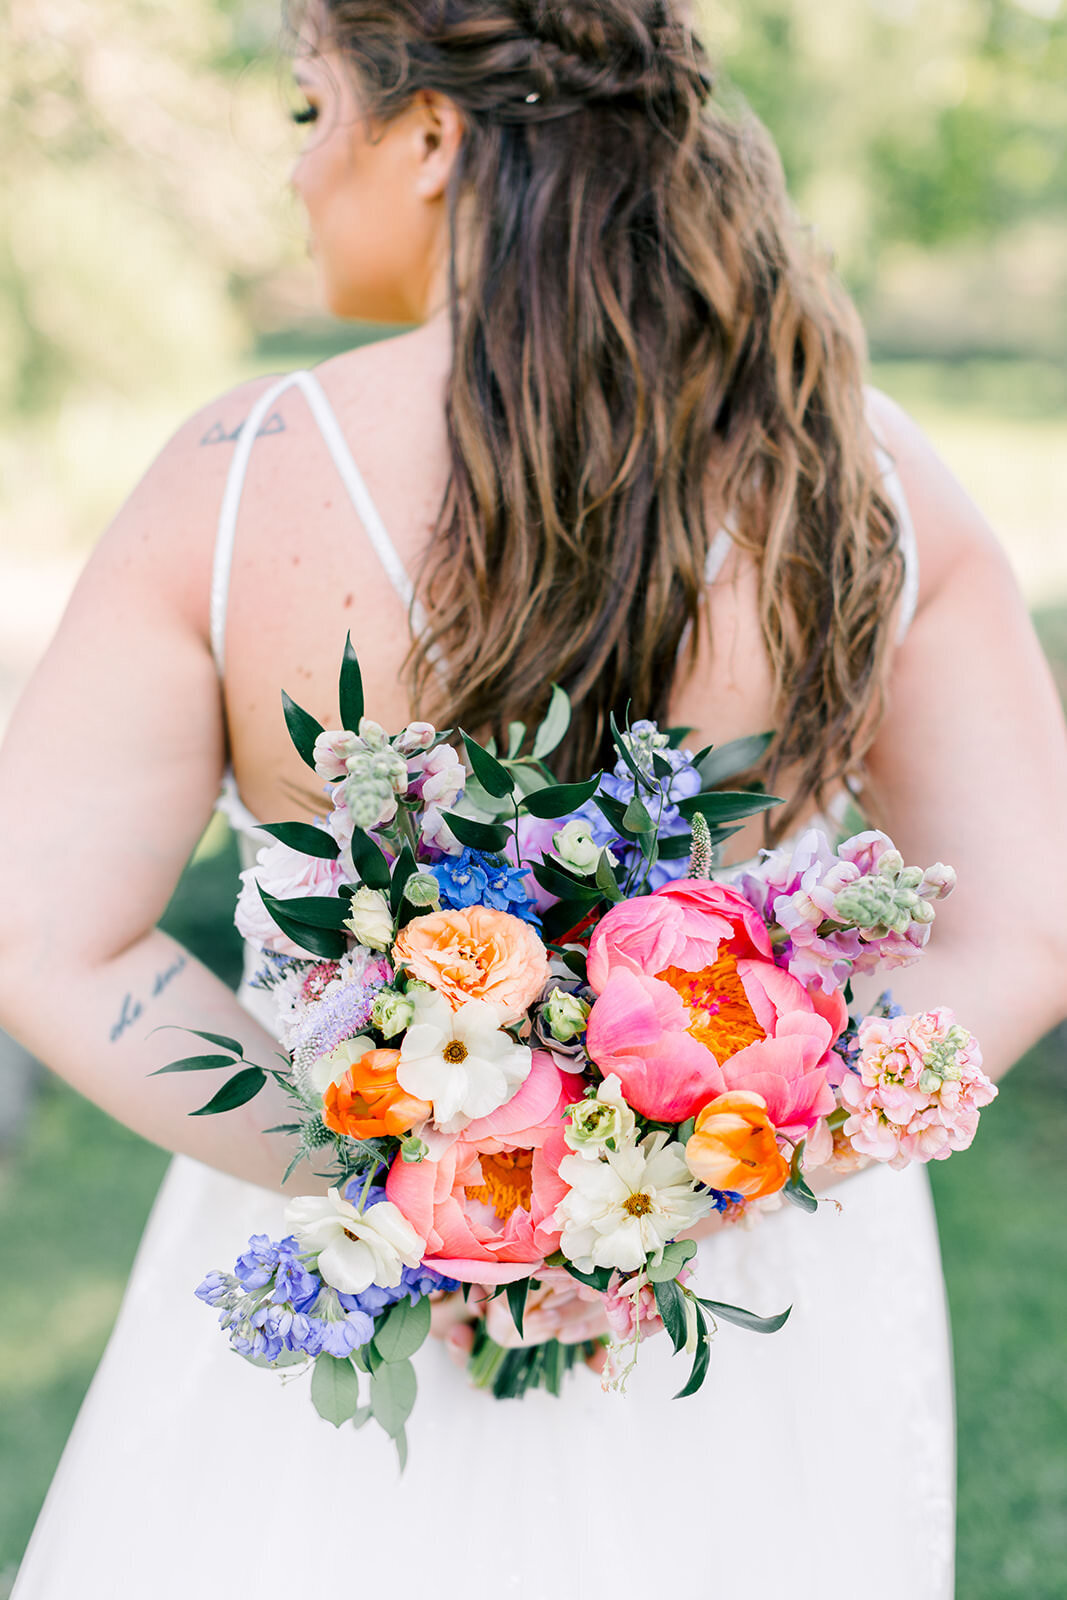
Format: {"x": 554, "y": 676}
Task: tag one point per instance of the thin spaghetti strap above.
{"x": 894, "y": 490}
{"x": 222, "y": 564}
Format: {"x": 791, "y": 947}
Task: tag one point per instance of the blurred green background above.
{"x": 150, "y": 256}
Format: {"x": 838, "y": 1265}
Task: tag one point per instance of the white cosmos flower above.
{"x": 622, "y": 1210}
{"x": 460, "y": 1060}
{"x": 355, "y": 1249}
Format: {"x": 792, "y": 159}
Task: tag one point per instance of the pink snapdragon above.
{"x": 917, "y": 1089}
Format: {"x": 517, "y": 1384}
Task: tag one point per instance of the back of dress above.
{"x": 187, "y": 1473}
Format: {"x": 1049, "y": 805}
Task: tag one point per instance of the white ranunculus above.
{"x": 354, "y": 1249}
{"x": 370, "y": 918}
{"x": 460, "y": 1060}
{"x": 621, "y": 1211}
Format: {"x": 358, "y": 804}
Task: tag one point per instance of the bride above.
{"x": 627, "y": 449}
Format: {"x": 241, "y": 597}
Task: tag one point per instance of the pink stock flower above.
{"x": 691, "y": 1006}
{"x": 288, "y": 875}
{"x": 485, "y": 1204}
{"x": 918, "y": 1088}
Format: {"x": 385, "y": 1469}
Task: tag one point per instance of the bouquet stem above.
{"x": 510, "y": 1373}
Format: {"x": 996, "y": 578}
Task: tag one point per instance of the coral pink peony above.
{"x": 485, "y": 1206}
{"x": 691, "y": 1005}
{"x": 476, "y": 953}
{"x": 917, "y": 1090}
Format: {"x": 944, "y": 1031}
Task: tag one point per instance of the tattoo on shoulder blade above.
{"x": 218, "y": 434}
{"x": 132, "y": 1008}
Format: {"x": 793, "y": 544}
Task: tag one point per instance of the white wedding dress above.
{"x": 817, "y": 1462}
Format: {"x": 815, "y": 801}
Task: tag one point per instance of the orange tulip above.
{"x": 734, "y": 1146}
{"x": 369, "y": 1102}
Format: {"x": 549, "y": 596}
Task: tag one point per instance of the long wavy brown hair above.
{"x": 646, "y": 345}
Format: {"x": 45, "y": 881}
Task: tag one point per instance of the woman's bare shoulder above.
{"x": 950, "y": 530}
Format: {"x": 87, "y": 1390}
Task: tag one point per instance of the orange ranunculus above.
{"x": 734, "y": 1147}
{"x": 368, "y": 1101}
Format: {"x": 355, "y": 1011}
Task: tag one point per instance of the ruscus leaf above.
{"x": 194, "y": 1064}
{"x": 490, "y": 837}
{"x": 302, "y": 836}
{"x": 223, "y": 1040}
{"x": 727, "y": 806}
{"x": 557, "y": 720}
{"x": 494, "y": 779}
{"x": 350, "y": 689}
{"x": 369, "y": 861}
{"x": 747, "y": 1319}
{"x": 560, "y": 798}
{"x": 670, "y": 1303}
{"x": 700, "y": 1365}
{"x": 236, "y": 1091}
{"x": 303, "y": 730}
{"x": 517, "y": 1293}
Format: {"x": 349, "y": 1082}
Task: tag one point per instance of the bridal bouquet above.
{"x": 531, "y": 1043}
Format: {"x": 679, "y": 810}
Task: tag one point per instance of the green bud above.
{"x": 412, "y": 1150}
{"x": 566, "y": 1015}
{"x": 391, "y": 1012}
{"x": 423, "y": 889}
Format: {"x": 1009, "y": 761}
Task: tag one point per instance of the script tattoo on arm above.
{"x": 132, "y": 1008}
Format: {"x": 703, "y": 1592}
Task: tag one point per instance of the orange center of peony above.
{"x": 638, "y": 1205}
{"x": 455, "y": 1053}
{"x": 507, "y": 1182}
{"x": 720, "y": 1016}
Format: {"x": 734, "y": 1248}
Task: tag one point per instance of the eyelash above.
{"x": 306, "y": 114}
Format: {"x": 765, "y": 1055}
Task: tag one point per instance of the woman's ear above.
{"x": 439, "y": 134}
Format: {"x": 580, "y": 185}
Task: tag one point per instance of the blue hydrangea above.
{"x": 682, "y": 784}
{"x": 474, "y": 879}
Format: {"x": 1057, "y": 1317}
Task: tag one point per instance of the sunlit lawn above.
{"x": 74, "y": 1198}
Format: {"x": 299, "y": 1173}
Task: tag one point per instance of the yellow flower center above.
{"x": 638, "y": 1205}
{"x": 455, "y": 1053}
{"x": 507, "y": 1182}
{"x": 720, "y": 1015}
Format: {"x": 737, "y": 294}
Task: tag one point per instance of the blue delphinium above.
{"x": 722, "y": 1198}
{"x": 474, "y": 879}
{"x": 643, "y": 740}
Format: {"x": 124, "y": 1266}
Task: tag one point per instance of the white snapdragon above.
{"x": 354, "y": 1248}
{"x": 621, "y": 1211}
{"x": 597, "y": 1126}
{"x": 462, "y": 1061}
{"x": 370, "y": 919}
{"x": 443, "y": 777}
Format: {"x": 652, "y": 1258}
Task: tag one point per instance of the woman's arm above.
{"x": 107, "y": 778}
{"x": 970, "y": 767}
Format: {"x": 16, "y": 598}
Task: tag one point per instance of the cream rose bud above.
{"x": 575, "y": 847}
{"x": 565, "y": 1015}
{"x": 415, "y": 737}
{"x": 332, "y": 750}
{"x": 601, "y": 1124}
{"x": 370, "y": 919}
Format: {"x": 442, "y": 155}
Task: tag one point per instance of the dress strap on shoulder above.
{"x": 355, "y": 487}
{"x": 909, "y": 548}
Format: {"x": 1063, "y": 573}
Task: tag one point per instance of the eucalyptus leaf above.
{"x": 361, "y": 1416}
{"x": 494, "y": 779}
{"x": 303, "y": 730}
{"x": 489, "y": 837}
{"x": 369, "y": 861}
{"x": 236, "y": 1091}
{"x": 560, "y": 798}
{"x": 392, "y": 1395}
{"x": 727, "y": 760}
{"x": 334, "y": 1389}
{"x": 194, "y": 1064}
{"x": 675, "y": 1256}
{"x": 302, "y": 836}
{"x": 403, "y": 1329}
{"x": 350, "y": 689}
{"x": 557, "y": 720}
